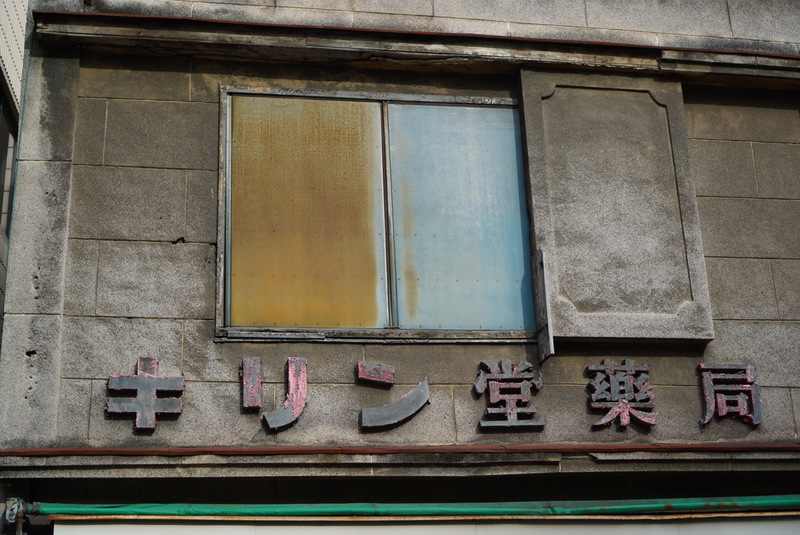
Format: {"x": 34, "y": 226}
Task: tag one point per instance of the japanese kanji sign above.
{"x": 510, "y": 390}
{"x": 296, "y": 393}
{"x": 624, "y": 390}
{"x": 731, "y": 389}
{"x": 147, "y": 385}
{"x": 394, "y": 413}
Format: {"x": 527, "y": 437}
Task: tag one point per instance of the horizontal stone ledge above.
{"x": 187, "y": 36}
{"x": 289, "y": 460}
{"x": 298, "y": 43}
{"x": 110, "y": 470}
{"x": 587, "y": 448}
{"x": 698, "y": 456}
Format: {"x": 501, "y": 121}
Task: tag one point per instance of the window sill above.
{"x": 370, "y": 336}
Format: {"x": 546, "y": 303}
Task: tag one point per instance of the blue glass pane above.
{"x": 461, "y": 229}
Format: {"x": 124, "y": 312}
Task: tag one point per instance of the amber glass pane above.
{"x": 307, "y": 240}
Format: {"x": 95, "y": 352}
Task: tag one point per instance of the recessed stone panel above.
{"x": 614, "y": 207}
{"x": 616, "y": 218}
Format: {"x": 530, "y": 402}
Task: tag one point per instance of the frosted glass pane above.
{"x": 461, "y": 226}
{"x": 307, "y": 225}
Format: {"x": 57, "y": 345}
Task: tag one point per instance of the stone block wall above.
{"x": 746, "y": 162}
{"x": 113, "y": 258}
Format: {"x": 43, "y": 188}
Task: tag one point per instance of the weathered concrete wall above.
{"x": 765, "y": 26}
{"x": 35, "y": 283}
{"x": 127, "y": 208}
{"x": 745, "y": 148}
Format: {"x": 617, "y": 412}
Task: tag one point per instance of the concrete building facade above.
{"x": 658, "y": 152}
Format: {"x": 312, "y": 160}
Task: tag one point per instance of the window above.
{"x": 391, "y": 217}
{"x": 7, "y": 141}
{"x": 7, "y": 145}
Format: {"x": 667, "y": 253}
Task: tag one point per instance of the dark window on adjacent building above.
{"x": 7, "y": 145}
{"x": 8, "y": 134}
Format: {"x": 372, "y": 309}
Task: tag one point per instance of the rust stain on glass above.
{"x": 407, "y": 220}
{"x": 306, "y": 213}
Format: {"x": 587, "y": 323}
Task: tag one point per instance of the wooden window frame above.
{"x": 225, "y": 332}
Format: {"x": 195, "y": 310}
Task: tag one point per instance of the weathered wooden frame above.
{"x": 224, "y": 332}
